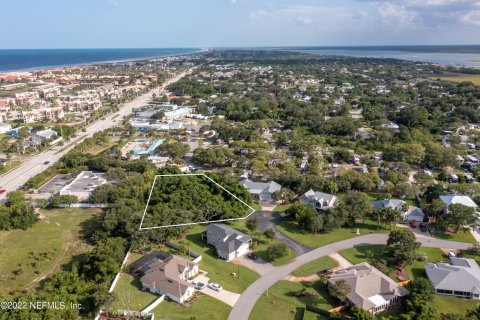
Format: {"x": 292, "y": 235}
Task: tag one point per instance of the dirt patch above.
{"x": 310, "y": 278}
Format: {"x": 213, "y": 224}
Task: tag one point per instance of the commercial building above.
{"x": 139, "y": 147}
{"x": 84, "y": 184}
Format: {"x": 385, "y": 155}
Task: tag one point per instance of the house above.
{"x": 229, "y": 243}
{"x": 261, "y": 191}
{"x": 320, "y": 200}
{"x": 452, "y": 177}
{"x": 5, "y": 127}
{"x": 460, "y": 277}
{"x": 409, "y": 213}
{"x": 166, "y": 274}
{"x": 84, "y": 184}
{"x": 43, "y": 114}
{"x": 370, "y": 289}
{"x": 458, "y": 199}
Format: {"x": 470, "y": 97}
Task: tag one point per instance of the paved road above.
{"x": 17, "y": 178}
{"x": 245, "y": 304}
{"x": 270, "y": 220}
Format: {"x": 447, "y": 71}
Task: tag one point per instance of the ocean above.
{"x": 458, "y": 56}
{"x": 31, "y": 59}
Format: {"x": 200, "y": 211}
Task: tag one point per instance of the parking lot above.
{"x": 55, "y": 184}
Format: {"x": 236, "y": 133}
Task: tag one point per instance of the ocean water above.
{"x": 467, "y": 56}
{"x": 30, "y": 59}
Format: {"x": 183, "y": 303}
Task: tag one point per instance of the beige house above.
{"x": 370, "y": 289}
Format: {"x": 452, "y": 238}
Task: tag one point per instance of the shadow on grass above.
{"x": 372, "y": 253}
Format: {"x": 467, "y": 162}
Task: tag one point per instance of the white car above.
{"x": 215, "y": 286}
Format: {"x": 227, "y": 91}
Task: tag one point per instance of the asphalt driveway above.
{"x": 270, "y": 220}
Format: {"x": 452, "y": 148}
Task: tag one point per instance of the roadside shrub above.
{"x": 277, "y": 251}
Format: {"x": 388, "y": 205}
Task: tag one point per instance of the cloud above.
{"x": 397, "y": 16}
{"x": 256, "y": 15}
{"x": 113, "y": 2}
{"x": 471, "y": 18}
{"x": 304, "y": 20}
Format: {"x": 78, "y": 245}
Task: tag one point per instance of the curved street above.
{"x": 244, "y": 306}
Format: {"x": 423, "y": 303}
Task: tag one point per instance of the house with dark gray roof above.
{"x": 320, "y": 200}
{"x": 261, "y": 191}
{"x": 370, "y": 289}
{"x": 229, "y": 243}
{"x": 409, "y": 213}
{"x": 165, "y": 274}
{"x": 460, "y": 277}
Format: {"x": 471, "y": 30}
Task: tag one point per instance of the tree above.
{"x": 158, "y": 115}
{"x": 458, "y": 216}
{"x": 316, "y": 224}
{"x": 269, "y": 234}
{"x": 302, "y": 214}
{"x": 340, "y": 289}
{"x": 403, "y": 246}
{"x": 357, "y": 205}
{"x": 57, "y": 201}
{"x": 276, "y": 251}
{"x": 360, "y": 314}
{"x": 252, "y": 224}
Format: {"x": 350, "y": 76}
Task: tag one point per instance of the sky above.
{"x": 235, "y": 23}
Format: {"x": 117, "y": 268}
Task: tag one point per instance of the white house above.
{"x": 320, "y": 200}
{"x": 229, "y": 243}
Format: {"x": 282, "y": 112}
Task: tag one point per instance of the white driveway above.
{"x": 342, "y": 262}
{"x": 260, "y": 266}
{"x": 225, "y": 296}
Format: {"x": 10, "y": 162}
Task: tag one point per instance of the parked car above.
{"x": 2, "y": 190}
{"x": 215, "y": 286}
{"x": 46, "y": 162}
{"x": 252, "y": 255}
{"x": 413, "y": 224}
{"x": 199, "y": 285}
{"x": 326, "y": 272}
{"x": 423, "y": 227}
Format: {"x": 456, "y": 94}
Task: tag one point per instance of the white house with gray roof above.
{"x": 261, "y": 191}
{"x": 409, "y": 213}
{"x": 458, "y": 199}
{"x": 320, "y": 200}
{"x": 370, "y": 289}
{"x": 460, "y": 277}
{"x": 229, "y": 243}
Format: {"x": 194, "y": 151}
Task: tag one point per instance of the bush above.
{"x": 277, "y": 251}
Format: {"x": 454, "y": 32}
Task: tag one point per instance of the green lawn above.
{"x": 219, "y": 270}
{"x": 315, "y": 266}
{"x": 204, "y": 308}
{"x": 379, "y": 253}
{"x": 128, "y": 295}
{"x": 256, "y": 206}
{"x": 308, "y": 239}
{"x": 460, "y": 77}
{"x": 460, "y": 236}
{"x": 282, "y": 207}
{"x": 450, "y": 304}
{"x": 29, "y": 255}
{"x": 282, "y": 304}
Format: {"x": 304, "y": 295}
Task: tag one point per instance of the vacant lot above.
{"x": 460, "y": 77}
{"x": 28, "y": 256}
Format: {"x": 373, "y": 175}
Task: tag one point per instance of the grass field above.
{"x": 460, "y": 236}
{"x": 315, "y": 266}
{"x": 449, "y": 304}
{"x": 27, "y": 256}
{"x": 282, "y": 304}
{"x": 460, "y": 77}
{"x": 308, "y": 239}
